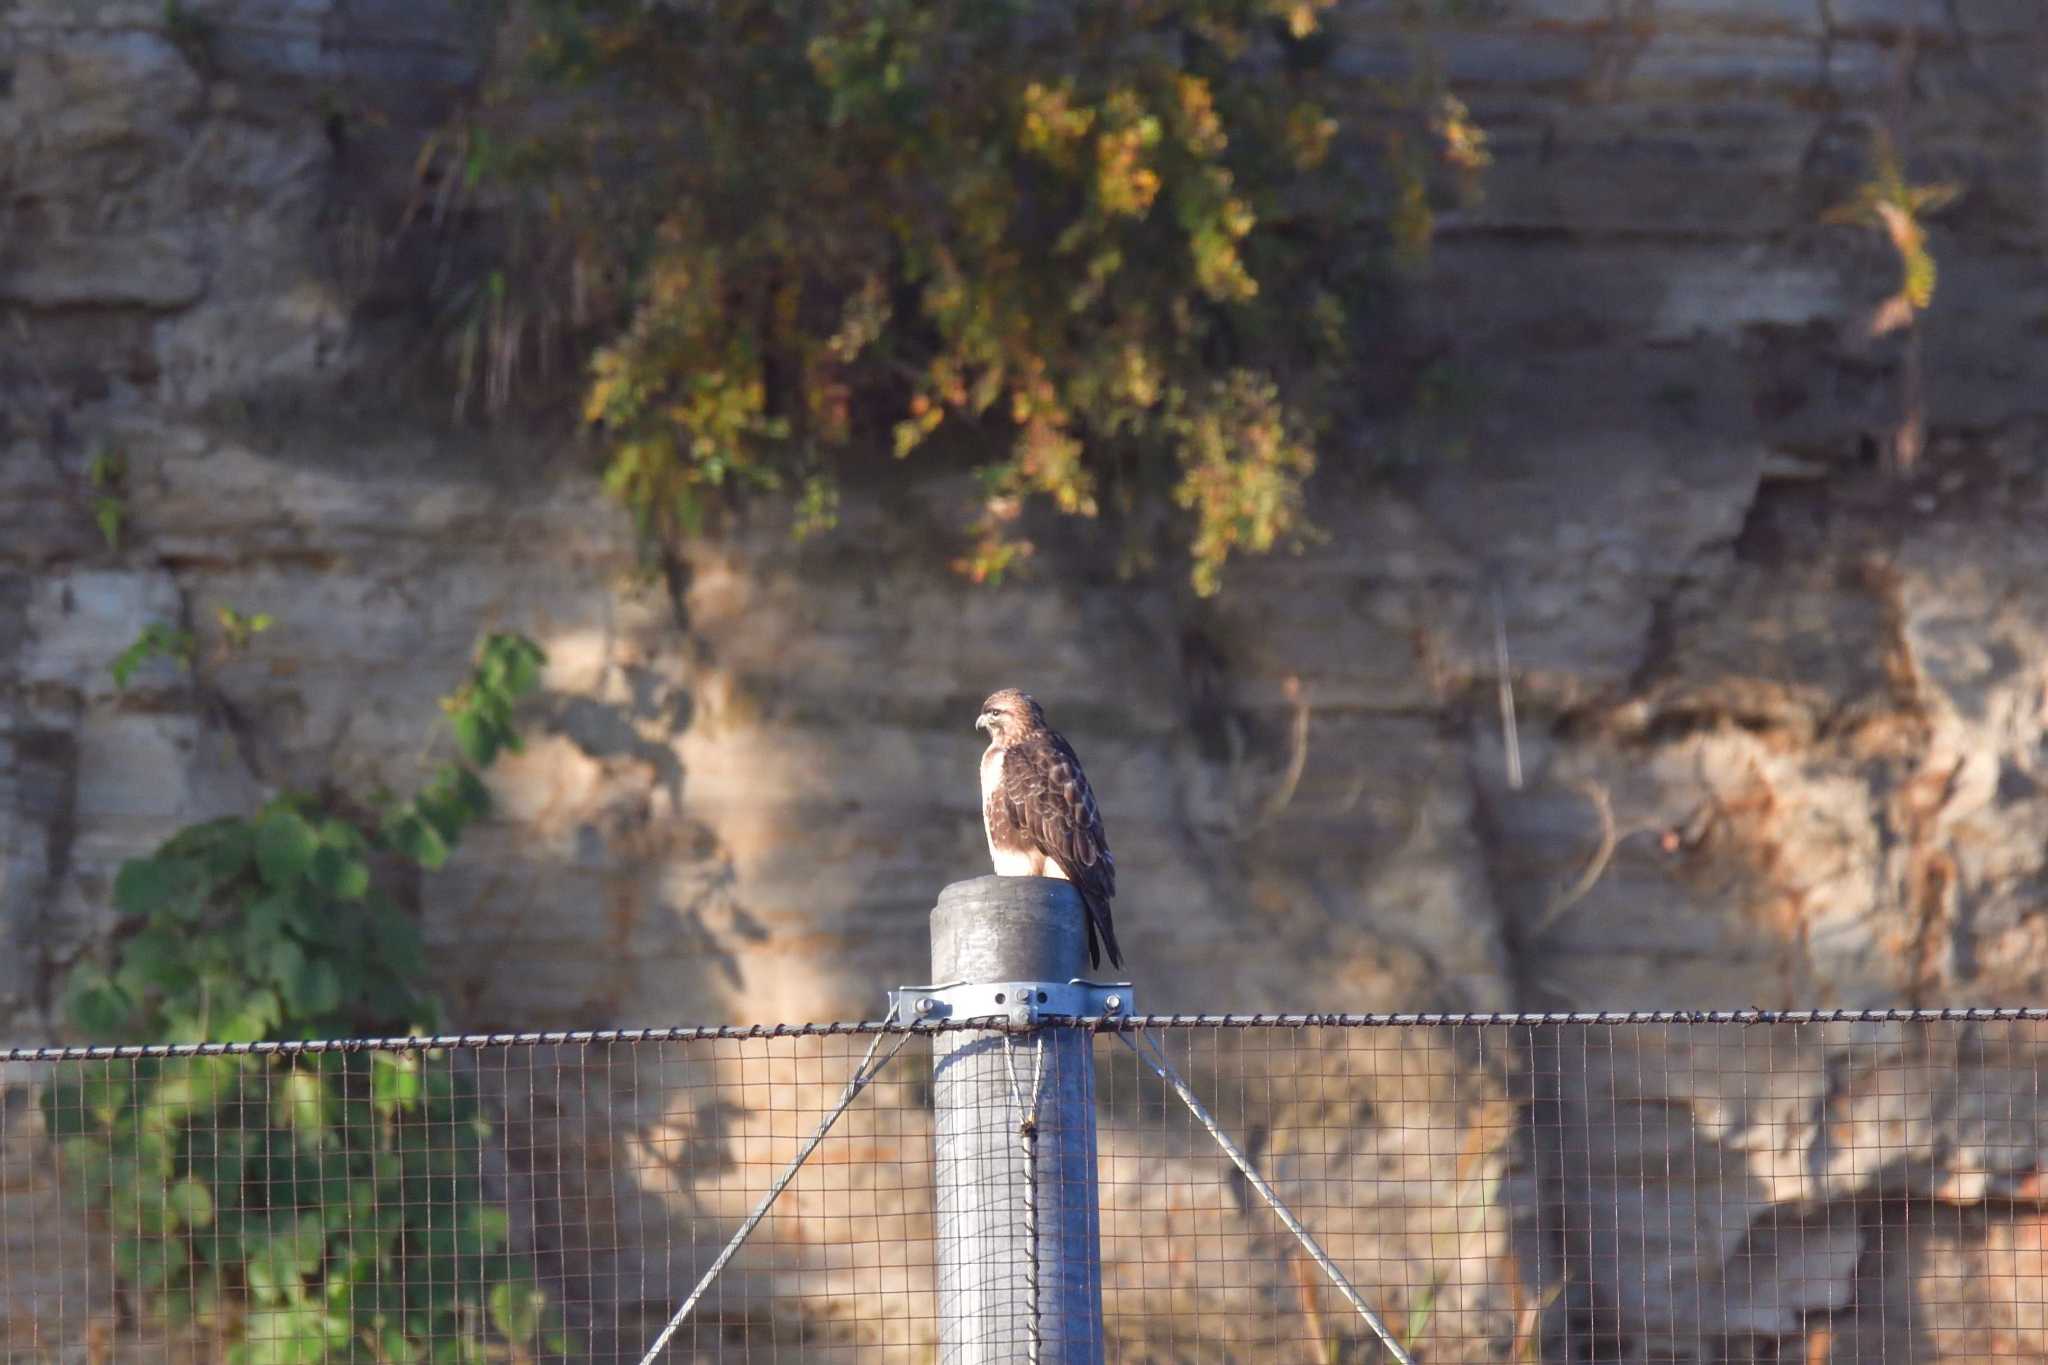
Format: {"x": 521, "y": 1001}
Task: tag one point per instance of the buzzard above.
{"x": 1039, "y": 814}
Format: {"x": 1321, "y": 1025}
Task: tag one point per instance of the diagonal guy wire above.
{"x": 1166, "y": 1073}
{"x": 861, "y": 1077}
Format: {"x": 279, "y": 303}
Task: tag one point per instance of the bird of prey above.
{"x": 1039, "y": 814}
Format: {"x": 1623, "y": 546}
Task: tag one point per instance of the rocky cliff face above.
{"x": 1779, "y": 722}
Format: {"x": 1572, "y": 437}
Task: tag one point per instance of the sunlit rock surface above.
{"x": 1779, "y": 722}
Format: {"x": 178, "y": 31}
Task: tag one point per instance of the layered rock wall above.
{"x": 1779, "y": 720}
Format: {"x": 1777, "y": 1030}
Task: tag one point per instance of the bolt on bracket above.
{"x": 1021, "y": 1003}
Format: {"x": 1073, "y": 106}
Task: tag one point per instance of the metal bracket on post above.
{"x": 1024, "y": 1004}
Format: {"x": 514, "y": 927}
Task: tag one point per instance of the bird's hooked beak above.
{"x": 984, "y": 720}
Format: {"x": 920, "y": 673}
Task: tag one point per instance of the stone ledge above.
{"x": 147, "y": 270}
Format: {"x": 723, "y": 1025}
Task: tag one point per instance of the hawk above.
{"x": 1039, "y": 814}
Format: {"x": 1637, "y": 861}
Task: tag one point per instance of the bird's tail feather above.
{"x": 1098, "y": 922}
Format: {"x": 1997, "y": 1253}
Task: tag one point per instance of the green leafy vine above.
{"x": 322, "y": 1208}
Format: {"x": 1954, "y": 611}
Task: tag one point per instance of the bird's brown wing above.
{"x": 1049, "y": 802}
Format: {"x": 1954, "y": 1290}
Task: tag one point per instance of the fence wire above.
{"x": 1815, "y": 1187}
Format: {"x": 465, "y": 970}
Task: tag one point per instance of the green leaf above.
{"x": 516, "y": 1311}
{"x": 476, "y": 737}
{"x": 249, "y": 1019}
{"x": 222, "y": 1247}
{"x": 146, "y": 1262}
{"x": 283, "y": 963}
{"x": 155, "y": 959}
{"x": 205, "y": 1297}
{"x": 341, "y": 835}
{"x": 218, "y": 851}
{"x": 394, "y": 1081}
{"x": 64, "y": 1108}
{"x": 441, "y": 806}
{"x": 279, "y": 1260}
{"x": 303, "y": 1105}
{"x": 107, "y": 467}
{"x": 312, "y": 990}
{"x": 141, "y": 886}
{"x": 517, "y": 661}
{"x": 99, "y": 1008}
{"x": 108, "y": 1091}
{"x": 269, "y": 919}
{"x": 226, "y": 852}
{"x": 413, "y": 836}
{"x": 285, "y": 845}
{"x": 398, "y": 1348}
{"x": 340, "y": 874}
{"x": 471, "y": 791}
{"x": 108, "y": 513}
{"x": 192, "y": 1202}
{"x": 156, "y": 641}
{"x": 145, "y": 886}
{"x": 85, "y": 1162}
{"x": 484, "y": 1229}
{"x": 181, "y": 1094}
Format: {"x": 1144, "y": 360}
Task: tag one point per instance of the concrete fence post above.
{"x": 1017, "y": 1234}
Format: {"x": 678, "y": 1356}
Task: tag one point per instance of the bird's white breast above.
{"x": 991, "y": 776}
{"x": 1007, "y": 862}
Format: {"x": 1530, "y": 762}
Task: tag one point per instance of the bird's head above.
{"x": 1008, "y": 714}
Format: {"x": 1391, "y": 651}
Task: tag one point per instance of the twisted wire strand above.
{"x": 1136, "y": 1023}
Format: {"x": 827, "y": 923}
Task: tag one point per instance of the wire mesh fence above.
{"x": 1839, "y": 1187}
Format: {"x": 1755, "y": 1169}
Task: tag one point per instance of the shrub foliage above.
{"x": 329, "y": 1207}
{"x": 1105, "y": 253}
